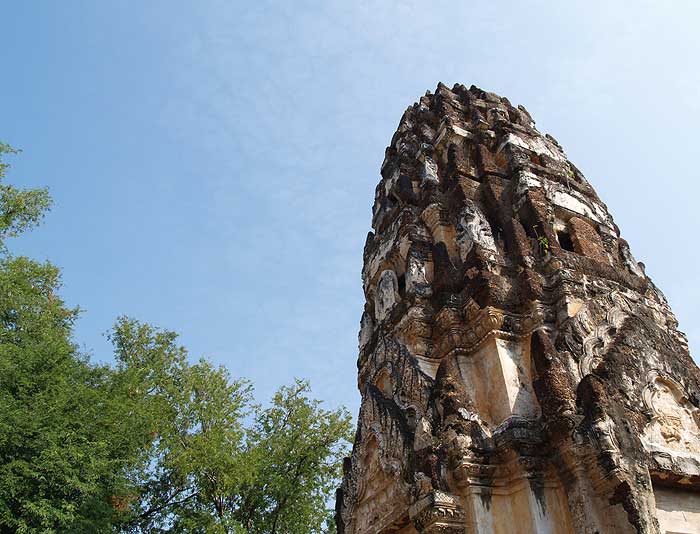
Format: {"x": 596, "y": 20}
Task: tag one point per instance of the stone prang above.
{"x": 519, "y": 371}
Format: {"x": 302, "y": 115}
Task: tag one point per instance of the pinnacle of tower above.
{"x": 519, "y": 371}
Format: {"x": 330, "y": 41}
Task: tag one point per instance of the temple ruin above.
{"x": 519, "y": 371}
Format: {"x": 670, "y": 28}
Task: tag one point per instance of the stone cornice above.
{"x": 467, "y": 334}
{"x": 438, "y": 512}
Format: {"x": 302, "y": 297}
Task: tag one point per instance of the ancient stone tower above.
{"x": 519, "y": 372}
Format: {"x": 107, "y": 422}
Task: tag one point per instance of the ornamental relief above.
{"x": 597, "y": 322}
{"x": 375, "y": 489}
{"x": 387, "y": 294}
{"x": 380, "y": 491}
{"x": 473, "y": 229}
{"x": 675, "y": 422}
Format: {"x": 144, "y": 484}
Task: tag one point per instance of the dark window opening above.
{"x": 402, "y": 284}
{"x": 451, "y": 154}
{"x": 565, "y": 241}
{"x": 411, "y": 418}
{"x": 535, "y": 231}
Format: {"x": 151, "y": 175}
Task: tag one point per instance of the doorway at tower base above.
{"x": 518, "y": 508}
{"x": 677, "y": 510}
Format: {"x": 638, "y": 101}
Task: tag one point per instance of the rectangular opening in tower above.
{"x": 565, "y": 240}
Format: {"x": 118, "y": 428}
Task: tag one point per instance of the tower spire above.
{"x": 519, "y": 371}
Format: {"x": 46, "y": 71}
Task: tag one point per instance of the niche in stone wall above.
{"x": 564, "y": 239}
{"x": 384, "y": 383}
{"x": 499, "y": 378}
{"x": 401, "y": 281}
{"x": 534, "y": 229}
{"x": 562, "y": 230}
{"x": 576, "y": 234}
{"x": 532, "y": 226}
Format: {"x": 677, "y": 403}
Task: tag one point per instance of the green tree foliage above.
{"x": 153, "y": 444}
{"x": 295, "y": 445}
{"x": 57, "y": 462}
{"x": 209, "y": 471}
{"x": 194, "y": 415}
{"x": 20, "y": 209}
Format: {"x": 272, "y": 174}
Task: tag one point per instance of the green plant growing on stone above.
{"x": 542, "y": 241}
{"x": 569, "y": 177}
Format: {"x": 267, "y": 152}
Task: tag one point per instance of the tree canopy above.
{"x": 155, "y": 442}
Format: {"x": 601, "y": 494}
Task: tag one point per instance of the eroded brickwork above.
{"x": 519, "y": 372}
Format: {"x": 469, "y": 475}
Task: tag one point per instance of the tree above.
{"x": 152, "y": 444}
{"x": 20, "y": 209}
{"x": 57, "y": 455}
{"x": 194, "y": 416}
{"x": 206, "y": 471}
{"x": 296, "y": 446}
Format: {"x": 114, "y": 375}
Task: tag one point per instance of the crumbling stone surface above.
{"x": 585, "y": 240}
{"x": 519, "y": 372}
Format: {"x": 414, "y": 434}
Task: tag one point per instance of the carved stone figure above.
{"x": 519, "y": 371}
{"x": 366, "y": 329}
{"x": 417, "y": 275}
{"x": 473, "y": 229}
{"x": 430, "y": 171}
{"x": 675, "y": 422}
{"x": 387, "y": 294}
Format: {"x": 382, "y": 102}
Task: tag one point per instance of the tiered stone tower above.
{"x": 519, "y": 372}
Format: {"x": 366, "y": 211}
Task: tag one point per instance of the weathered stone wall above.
{"x": 519, "y": 372}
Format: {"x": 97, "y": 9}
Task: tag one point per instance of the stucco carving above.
{"x": 366, "y": 329}
{"x": 387, "y": 294}
{"x": 430, "y": 171}
{"x": 418, "y": 275}
{"x": 438, "y": 513}
{"x": 379, "y": 486}
{"x": 473, "y": 229}
{"x": 629, "y": 260}
{"x": 675, "y": 422}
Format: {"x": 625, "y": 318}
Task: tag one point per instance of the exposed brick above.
{"x": 586, "y": 240}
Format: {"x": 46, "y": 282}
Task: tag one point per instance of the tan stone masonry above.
{"x": 519, "y": 372}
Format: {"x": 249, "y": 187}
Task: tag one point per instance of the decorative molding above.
{"x": 467, "y": 334}
{"x": 600, "y": 336}
{"x": 438, "y": 512}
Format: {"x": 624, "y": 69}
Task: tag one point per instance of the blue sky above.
{"x": 213, "y": 163}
